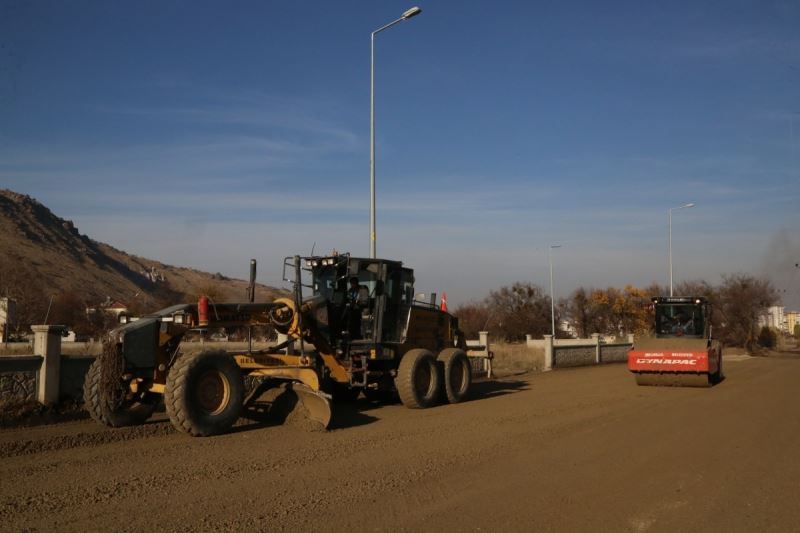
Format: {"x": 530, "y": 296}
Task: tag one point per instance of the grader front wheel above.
{"x": 204, "y": 393}
{"x": 113, "y": 408}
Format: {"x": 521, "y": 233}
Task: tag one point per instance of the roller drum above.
{"x": 672, "y": 379}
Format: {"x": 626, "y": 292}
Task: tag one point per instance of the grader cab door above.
{"x": 384, "y": 315}
{"x": 398, "y": 297}
{"x": 369, "y": 305}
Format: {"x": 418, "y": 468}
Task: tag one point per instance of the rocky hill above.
{"x": 44, "y": 255}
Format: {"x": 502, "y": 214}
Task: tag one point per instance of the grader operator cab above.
{"x": 358, "y": 327}
{"x": 681, "y": 352}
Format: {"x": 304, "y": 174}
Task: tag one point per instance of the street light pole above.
{"x": 684, "y": 206}
{"x": 552, "y": 291}
{"x": 791, "y": 136}
{"x": 372, "y": 229}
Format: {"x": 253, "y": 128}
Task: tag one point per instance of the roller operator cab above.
{"x": 681, "y": 351}
{"x": 681, "y": 317}
{"x": 355, "y": 321}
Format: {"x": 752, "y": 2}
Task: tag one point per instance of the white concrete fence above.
{"x": 560, "y": 353}
{"x": 480, "y": 355}
{"x": 48, "y": 377}
{"x": 45, "y": 376}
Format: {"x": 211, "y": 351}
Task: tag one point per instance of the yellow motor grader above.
{"x": 359, "y": 328}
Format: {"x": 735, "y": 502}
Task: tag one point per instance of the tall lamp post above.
{"x": 684, "y": 206}
{"x": 414, "y": 11}
{"x": 552, "y": 291}
{"x": 792, "y": 145}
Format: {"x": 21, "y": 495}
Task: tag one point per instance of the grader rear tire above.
{"x": 418, "y": 379}
{"x": 129, "y": 413}
{"x": 204, "y": 393}
{"x": 457, "y": 374}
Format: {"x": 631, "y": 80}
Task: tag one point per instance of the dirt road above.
{"x": 572, "y": 450}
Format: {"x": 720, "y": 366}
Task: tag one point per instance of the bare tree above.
{"x": 698, "y": 287}
{"x": 742, "y": 298}
{"x": 580, "y": 311}
{"x": 520, "y": 309}
{"x": 472, "y": 318}
{"x": 69, "y": 309}
{"x": 611, "y": 311}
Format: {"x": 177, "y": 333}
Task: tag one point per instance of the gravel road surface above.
{"x": 571, "y": 450}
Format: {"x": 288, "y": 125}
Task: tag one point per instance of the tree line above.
{"x": 509, "y": 313}
{"x": 523, "y": 308}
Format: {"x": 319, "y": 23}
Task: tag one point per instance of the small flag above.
{"x": 444, "y": 301}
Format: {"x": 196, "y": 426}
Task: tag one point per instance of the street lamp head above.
{"x": 413, "y": 12}
{"x": 684, "y": 206}
{"x": 555, "y": 246}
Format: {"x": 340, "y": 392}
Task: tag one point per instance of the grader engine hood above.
{"x": 669, "y": 355}
{"x": 141, "y": 338}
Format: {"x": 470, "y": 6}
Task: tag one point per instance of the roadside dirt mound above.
{"x": 26, "y": 414}
{"x": 94, "y": 436}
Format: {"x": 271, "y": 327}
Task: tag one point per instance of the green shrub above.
{"x": 767, "y": 338}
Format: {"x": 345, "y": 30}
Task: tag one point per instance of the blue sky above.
{"x": 205, "y": 133}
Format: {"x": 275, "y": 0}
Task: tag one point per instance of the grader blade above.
{"x": 315, "y": 407}
{"x": 298, "y": 405}
{"x": 672, "y": 379}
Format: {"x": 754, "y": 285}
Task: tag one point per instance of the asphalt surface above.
{"x": 571, "y": 450}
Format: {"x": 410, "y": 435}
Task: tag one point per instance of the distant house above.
{"x": 116, "y": 308}
{"x": 567, "y": 327}
{"x": 111, "y": 307}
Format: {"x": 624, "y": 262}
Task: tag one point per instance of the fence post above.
{"x": 548, "y": 353}
{"x": 47, "y": 345}
{"x": 483, "y": 339}
{"x": 596, "y": 342}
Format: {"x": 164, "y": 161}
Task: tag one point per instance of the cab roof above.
{"x": 679, "y": 299}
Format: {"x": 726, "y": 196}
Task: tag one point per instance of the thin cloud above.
{"x": 249, "y": 108}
